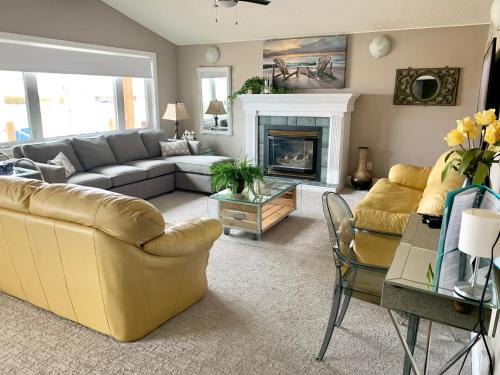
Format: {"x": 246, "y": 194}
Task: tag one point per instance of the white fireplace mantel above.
{"x": 337, "y": 107}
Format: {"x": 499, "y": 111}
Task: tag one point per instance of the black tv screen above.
{"x": 488, "y": 91}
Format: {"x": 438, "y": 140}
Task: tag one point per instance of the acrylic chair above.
{"x": 361, "y": 260}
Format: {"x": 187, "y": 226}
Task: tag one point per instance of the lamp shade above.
{"x": 176, "y": 112}
{"x": 478, "y": 232}
{"x": 216, "y": 108}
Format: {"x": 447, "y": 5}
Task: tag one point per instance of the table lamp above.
{"x": 176, "y": 112}
{"x": 216, "y": 108}
{"x": 478, "y": 232}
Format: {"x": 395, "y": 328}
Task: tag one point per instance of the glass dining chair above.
{"x": 361, "y": 260}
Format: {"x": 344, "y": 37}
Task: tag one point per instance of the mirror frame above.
{"x": 227, "y": 71}
{"x": 448, "y": 79}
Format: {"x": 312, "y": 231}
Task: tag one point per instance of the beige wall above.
{"x": 408, "y": 134}
{"x": 92, "y": 21}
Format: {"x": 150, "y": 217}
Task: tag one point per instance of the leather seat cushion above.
{"x": 196, "y": 163}
{"x": 387, "y": 207}
{"x": 121, "y": 174}
{"x": 91, "y": 179}
{"x": 375, "y": 249}
{"x": 153, "y": 167}
{"x": 129, "y": 219}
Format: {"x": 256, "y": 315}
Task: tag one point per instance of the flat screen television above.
{"x": 489, "y": 96}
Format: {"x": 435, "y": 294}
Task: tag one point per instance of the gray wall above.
{"x": 92, "y": 21}
{"x": 408, "y": 134}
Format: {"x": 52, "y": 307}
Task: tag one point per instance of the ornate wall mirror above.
{"x": 432, "y": 86}
{"x": 214, "y": 86}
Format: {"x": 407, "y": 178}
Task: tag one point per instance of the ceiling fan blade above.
{"x": 260, "y": 2}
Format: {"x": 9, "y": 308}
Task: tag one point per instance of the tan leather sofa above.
{"x": 389, "y": 203}
{"x": 104, "y": 260}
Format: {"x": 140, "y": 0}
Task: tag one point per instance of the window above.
{"x": 14, "y": 123}
{"x": 76, "y": 104}
{"x": 63, "y": 105}
{"x": 135, "y": 103}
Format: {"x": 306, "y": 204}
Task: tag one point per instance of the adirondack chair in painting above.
{"x": 283, "y": 68}
{"x": 321, "y": 68}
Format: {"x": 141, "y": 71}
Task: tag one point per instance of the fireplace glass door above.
{"x": 293, "y": 153}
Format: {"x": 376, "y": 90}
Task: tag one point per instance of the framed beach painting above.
{"x": 306, "y": 63}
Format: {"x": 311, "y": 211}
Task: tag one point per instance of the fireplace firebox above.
{"x": 293, "y": 151}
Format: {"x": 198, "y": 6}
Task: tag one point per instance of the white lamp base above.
{"x": 474, "y": 293}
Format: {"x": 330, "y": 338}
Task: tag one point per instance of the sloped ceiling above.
{"x": 193, "y": 21}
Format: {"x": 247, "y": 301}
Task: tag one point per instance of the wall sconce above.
{"x": 380, "y": 46}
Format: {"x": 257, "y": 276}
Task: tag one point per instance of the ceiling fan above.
{"x": 233, "y": 3}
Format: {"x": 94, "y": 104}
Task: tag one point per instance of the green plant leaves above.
{"x": 448, "y": 168}
{"x": 482, "y": 172}
{"x": 231, "y": 174}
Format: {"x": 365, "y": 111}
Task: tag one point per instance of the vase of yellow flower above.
{"x": 476, "y": 147}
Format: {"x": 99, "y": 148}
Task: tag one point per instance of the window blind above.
{"x": 53, "y": 58}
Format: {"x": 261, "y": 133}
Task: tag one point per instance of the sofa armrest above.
{"x": 185, "y": 238}
{"x": 410, "y": 176}
{"x": 53, "y": 174}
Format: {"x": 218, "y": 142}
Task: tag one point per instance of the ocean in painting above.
{"x": 306, "y": 63}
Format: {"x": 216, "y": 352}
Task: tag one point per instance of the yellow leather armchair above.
{"x": 104, "y": 260}
{"x": 389, "y": 203}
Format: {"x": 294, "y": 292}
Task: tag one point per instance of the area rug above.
{"x": 265, "y": 313}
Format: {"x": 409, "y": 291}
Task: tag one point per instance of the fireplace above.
{"x": 293, "y": 151}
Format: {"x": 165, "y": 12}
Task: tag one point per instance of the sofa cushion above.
{"x": 132, "y": 220}
{"x": 410, "y": 176}
{"x": 152, "y": 139}
{"x": 93, "y": 152}
{"x": 434, "y": 196}
{"x": 196, "y": 163}
{"x": 387, "y": 207}
{"x": 91, "y": 179}
{"x": 61, "y": 160}
{"x": 43, "y": 152}
{"x": 153, "y": 167}
{"x": 174, "y": 148}
{"x": 121, "y": 174}
{"x": 127, "y": 147}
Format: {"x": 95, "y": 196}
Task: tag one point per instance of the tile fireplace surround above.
{"x": 336, "y": 108}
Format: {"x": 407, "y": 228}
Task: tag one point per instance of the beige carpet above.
{"x": 265, "y": 313}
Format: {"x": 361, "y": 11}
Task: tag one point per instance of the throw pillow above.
{"x": 62, "y": 161}
{"x": 175, "y": 148}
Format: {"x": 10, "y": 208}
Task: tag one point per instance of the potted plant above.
{"x": 481, "y": 137}
{"x": 254, "y": 84}
{"x": 236, "y": 176}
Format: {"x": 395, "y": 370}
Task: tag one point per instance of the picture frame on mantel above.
{"x": 215, "y": 85}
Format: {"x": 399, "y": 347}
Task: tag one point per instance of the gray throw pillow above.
{"x": 93, "y": 152}
{"x": 62, "y": 161}
{"x": 43, "y": 152}
{"x": 152, "y": 139}
{"x": 127, "y": 147}
{"x": 175, "y": 148}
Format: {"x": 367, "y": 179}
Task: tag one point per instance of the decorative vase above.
{"x": 362, "y": 179}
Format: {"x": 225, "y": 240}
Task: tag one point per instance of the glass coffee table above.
{"x": 256, "y": 213}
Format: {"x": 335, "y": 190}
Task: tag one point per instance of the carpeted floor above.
{"x": 265, "y": 313}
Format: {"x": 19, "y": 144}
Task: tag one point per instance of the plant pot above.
{"x": 241, "y": 187}
{"x": 362, "y": 179}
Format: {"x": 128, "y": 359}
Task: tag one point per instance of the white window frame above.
{"x": 33, "y": 104}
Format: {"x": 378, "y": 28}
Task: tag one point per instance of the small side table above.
{"x": 409, "y": 288}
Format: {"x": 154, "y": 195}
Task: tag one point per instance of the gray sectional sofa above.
{"x": 129, "y": 163}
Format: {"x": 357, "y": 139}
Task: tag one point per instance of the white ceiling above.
{"x": 193, "y": 21}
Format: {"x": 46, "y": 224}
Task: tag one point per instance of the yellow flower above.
{"x": 492, "y": 134}
{"x": 454, "y": 138}
{"x": 474, "y": 133}
{"x": 485, "y": 117}
{"x": 466, "y": 125}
